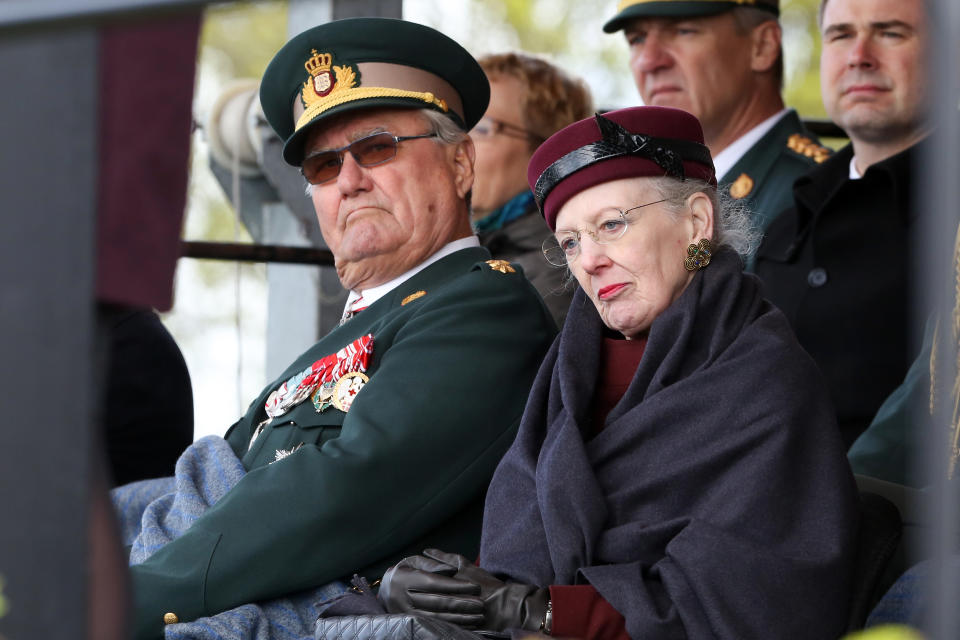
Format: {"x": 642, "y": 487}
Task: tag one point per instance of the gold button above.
{"x": 170, "y": 618}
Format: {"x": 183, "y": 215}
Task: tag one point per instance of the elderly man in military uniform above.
{"x": 837, "y": 263}
{"x": 722, "y": 61}
{"x": 381, "y": 438}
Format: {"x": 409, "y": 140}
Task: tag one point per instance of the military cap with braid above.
{"x": 628, "y": 10}
{"x": 364, "y": 63}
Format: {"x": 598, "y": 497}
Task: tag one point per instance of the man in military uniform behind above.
{"x": 838, "y": 262}
{"x": 381, "y": 438}
{"x": 722, "y": 61}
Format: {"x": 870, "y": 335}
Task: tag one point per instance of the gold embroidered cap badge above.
{"x": 322, "y": 82}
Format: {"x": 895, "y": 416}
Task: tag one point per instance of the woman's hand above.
{"x": 452, "y": 588}
{"x": 423, "y": 586}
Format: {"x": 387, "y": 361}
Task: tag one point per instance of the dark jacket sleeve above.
{"x": 889, "y": 445}
{"x": 419, "y": 444}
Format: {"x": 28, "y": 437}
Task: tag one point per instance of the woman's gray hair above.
{"x": 447, "y": 131}
{"x": 733, "y": 225}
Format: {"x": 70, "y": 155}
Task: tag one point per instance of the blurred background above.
{"x": 219, "y": 317}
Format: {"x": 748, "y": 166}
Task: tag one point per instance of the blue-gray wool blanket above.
{"x": 154, "y": 512}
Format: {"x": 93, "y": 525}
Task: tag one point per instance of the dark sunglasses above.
{"x": 368, "y": 151}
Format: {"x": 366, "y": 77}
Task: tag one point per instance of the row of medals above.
{"x": 338, "y": 393}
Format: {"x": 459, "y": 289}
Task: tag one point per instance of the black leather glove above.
{"x": 505, "y": 605}
{"x": 423, "y": 586}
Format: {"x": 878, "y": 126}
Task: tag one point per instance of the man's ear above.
{"x": 464, "y": 156}
{"x": 701, "y": 217}
{"x": 765, "y": 42}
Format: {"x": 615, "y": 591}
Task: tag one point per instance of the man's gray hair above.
{"x": 448, "y": 131}
{"x": 732, "y": 224}
{"x": 820, "y": 10}
{"x": 745, "y": 19}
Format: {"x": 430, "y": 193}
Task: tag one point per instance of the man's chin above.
{"x": 354, "y": 275}
{"x": 874, "y": 123}
{"x": 368, "y": 268}
{"x": 674, "y": 99}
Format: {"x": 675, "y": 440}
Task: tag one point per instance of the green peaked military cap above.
{"x": 628, "y": 10}
{"x": 363, "y": 63}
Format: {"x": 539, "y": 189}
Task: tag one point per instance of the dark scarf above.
{"x": 717, "y": 502}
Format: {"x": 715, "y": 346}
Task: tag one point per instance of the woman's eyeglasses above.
{"x": 368, "y": 151}
{"x": 489, "y": 127}
{"x": 563, "y": 248}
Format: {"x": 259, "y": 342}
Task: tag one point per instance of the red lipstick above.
{"x": 610, "y": 290}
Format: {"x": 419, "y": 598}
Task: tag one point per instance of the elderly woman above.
{"x": 678, "y": 472}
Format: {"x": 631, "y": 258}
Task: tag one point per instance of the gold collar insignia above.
{"x": 741, "y": 187}
{"x": 502, "y": 266}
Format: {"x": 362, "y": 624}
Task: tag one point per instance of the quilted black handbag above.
{"x": 396, "y": 626}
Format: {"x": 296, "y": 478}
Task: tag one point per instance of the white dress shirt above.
{"x": 373, "y": 294}
{"x": 730, "y": 156}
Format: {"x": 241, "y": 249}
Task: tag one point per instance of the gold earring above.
{"x": 698, "y": 255}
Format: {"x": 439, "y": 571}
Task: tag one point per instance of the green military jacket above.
{"x": 890, "y": 445}
{"x": 455, "y": 351}
{"x": 764, "y": 175}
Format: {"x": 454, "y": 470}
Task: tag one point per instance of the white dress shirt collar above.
{"x": 373, "y": 294}
{"x": 854, "y": 174}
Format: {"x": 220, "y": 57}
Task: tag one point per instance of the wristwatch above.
{"x": 547, "y": 625}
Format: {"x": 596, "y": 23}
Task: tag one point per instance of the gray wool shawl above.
{"x": 717, "y": 502}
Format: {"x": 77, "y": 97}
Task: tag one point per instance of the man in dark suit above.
{"x": 381, "y": 438}
{"x": 722, "y": 61}
{"x": 837, "y": 262}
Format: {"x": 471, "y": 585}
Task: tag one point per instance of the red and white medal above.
{"x": 355, "y": 357}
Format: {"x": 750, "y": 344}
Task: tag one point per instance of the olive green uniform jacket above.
{"x": 406, "y": 467}
{"x": 764, "y": 176}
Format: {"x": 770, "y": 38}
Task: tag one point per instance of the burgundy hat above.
{"x": 627, "y": 143}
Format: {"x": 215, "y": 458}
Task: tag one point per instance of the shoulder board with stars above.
{"x": 501, "y": 265}
{"x": 806, "y": 147}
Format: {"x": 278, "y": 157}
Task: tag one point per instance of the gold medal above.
{"x": 347, "y": 388}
